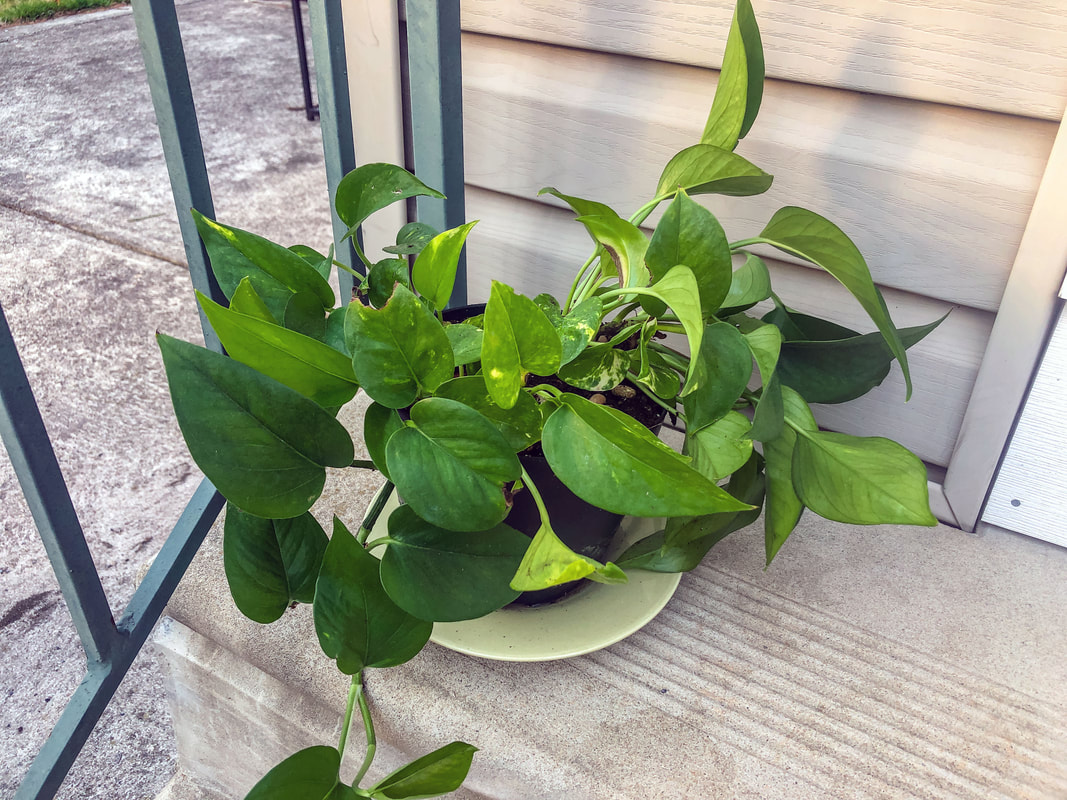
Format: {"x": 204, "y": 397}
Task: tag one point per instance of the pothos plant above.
{"x": 666, "y": 315}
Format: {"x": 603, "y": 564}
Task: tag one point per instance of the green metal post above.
{"x": 436, "y": 90}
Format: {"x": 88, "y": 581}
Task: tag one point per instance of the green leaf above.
{"x": 842, "y": 370}
{"x": 519, "y": 339}
{"x": 720, "y": 374}
{"x": 466, "y": 341}
{"x": 273, "y": 270}
{"x": 434, "y": 273}
{"x": 380, "y": 423}
{"x": 581, "y": 206}
{"x": 658, "y": 376}
{"x": 740, "y": 89}
{"x": 612, "y": 461}
{"x": 682, "y": 545}
{"x": 356, "y": 622}
{"x": 451, "y": 465}
{"x": 784, "y": 507}
{"x": 815, "y": 239}
{"x": 750, "y": 284}
{"x": 411, "y": 239}
{"x": 520, "y": 425}
{"x": 383, "y": 277}
{"x": 689, "y": 234}
{"x": 625, "y": 245}
{"x": 797, "y": 327}
{"x": 322, "y": 264}
{"x": 678, "y": 290}
{"x": 398, "y": 352}
{"x": 271, "y": 563}
{"x": 305, "y": 314}
{"x": 706, "y": 169}
{"x": 309, "y": 774}
{"x": 335, "y": 331}
{"x": 598, "y": 369}
{"x": 373, "y": 187}
{"x": 444, "y": 576}
{"x": 765, "y": 342}
{"x": 722, "y": 447}
{"x": 577, "y": 329}
{"x": 246, "y": 301}
{"x": 861, "y": 481}
{"x": 263, "y": 445}
{"x": 303, "y": 364}
{"x": 437, "y": 773}
{"x": 549, "y": 562}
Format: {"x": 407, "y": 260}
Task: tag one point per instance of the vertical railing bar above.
{"x": 335, "y": 117}
{"x": 436, "y": 87}
{"x": 78, "y": 719}
{"x": 170, "y": 564}
{"x": 26, "y": 439}
{"x": 310, "y": 111}
{"x": 172, "y": 96}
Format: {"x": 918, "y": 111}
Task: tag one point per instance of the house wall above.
{"x": 923, "y": 130}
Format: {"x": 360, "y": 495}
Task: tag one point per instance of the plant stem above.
{"x": 624, "y": 334}
{"x": 359, "y": 252}
{"x": 353, "y": 690}
{"x": 363, "y": 463}
{"x": 348, "y": 269}
{"x": 577, "y": 279}
{"x": 655, "y": 398}
{"x": 368, "y": 729}
{"x": 554, "y": 391}
{"x": 642, "y": 213}
{"x": 374, "y": 512}
{"x": 378, "y": 542}
{"x": 590, "y": 284}
{"x": 527, "y": 481}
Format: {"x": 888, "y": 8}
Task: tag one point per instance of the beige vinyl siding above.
{"x": 984, "y": 54}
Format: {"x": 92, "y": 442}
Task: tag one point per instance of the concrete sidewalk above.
{"x": 91, "y": 265}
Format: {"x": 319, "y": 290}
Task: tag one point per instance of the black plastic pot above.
{"x": 585, "y": 528}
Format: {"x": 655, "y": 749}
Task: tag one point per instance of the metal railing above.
{"x": 435, "y": 128}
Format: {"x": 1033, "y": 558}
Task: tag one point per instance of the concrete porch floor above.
{"x": 866, "y": 663}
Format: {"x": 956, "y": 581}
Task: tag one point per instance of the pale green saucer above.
{"x": 592, "y": 618}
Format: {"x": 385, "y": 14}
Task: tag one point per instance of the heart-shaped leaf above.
{"x": 399, "y": 351}
{"x": 444, "y": 576}
{"x": 577, "y": 329}
{"x": 273, "y": 270}
{"x": 305, "y": 314}
{"x": 309, "y": 774}
{"x": 373, "y": 187}
{"x": 678, "y": 290}
{"x": 722, "y": 447}
{"x": 356, "y": 622}
{"x": 625, "y": 245}
{"x": 383, "y": 277}
{"x": 861, "y": 481}
{"x": 263, "y": 445}
{"x": 740, "y": 88}
{"x": 612, "y": 461}
{"x": 271, "y": 563}
{"x": 434, "y": 273}
{"x": 451, "y": 465}
{"x": 379, "y": 424}
{"x": 519, "y": 340}
{"x": 706, "y": 169}
{"x": 783, "y": 505}
{"x": 411, "y": 238}
{"x": 549, "y": 562}
{"x": 765, "y": 342}
{"x": 437, "y": 773}
{"x": 304, "y": 364}
{"x": 682, "y": 545}
{"x": 322, "y": 264}
{"x": 689, "y": 234}
{"x": 750, "y": 284}
{"x": 520, "y": 425}
{"x": 842, "y": 370}
{"x": 599, "y": 368}
{"x": 466, "y": 341}
{"x": 720, "y": 374}
{"x": 815, "y": 239}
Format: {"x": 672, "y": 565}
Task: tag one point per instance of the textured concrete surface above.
{"x": 886, "y": 662}
{"x": 91, "y": 265}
